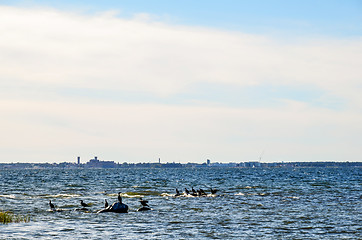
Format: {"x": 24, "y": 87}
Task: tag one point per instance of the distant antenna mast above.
{"x": 262, "y": 153}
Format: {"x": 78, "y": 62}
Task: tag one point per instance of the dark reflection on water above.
{"x": 303, "y": 203}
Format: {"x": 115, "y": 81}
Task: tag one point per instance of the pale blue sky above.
{"x": 181, "y": 80}
{"x": 314, "y": 17}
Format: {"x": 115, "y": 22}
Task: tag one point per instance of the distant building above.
{"x": 95, "y": 163}
{"x": 78, "y": 161}
{"x": 217, "y": 164}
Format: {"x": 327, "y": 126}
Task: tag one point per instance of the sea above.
{"x": 251, "y": 203}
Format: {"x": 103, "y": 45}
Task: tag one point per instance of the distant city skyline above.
{"x": 109, "y": 164}
{"x": 135, "y": 81}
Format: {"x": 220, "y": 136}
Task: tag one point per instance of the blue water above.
{"x": 279, "y": 203}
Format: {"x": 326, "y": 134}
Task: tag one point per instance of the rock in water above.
{"x": 143, "y": 209}
{"x": 116, "y": 207}
{"x": 119, "y": 207}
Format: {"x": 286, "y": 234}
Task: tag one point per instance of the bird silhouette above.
{"x": 213, "y": 191}
{"x": 144, "y": 202}
{"x": 177, "y": 192}
{"x": 193, "y": 191}
{"x": 51, "y": 205}
{"x": 83, "y": 204}
{"x": 119, "y": 197}
{"x": 105, "y": 203}
{"x": 202, "y": 192}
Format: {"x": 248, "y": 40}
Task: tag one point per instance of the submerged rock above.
{"x": 115, "y": 207}
{"x": 81, "y": 209}
{"x": 143, "y": 209}
{"x": 58, "y": 210}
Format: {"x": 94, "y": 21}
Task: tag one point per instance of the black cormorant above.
{"x": 105, "y": 203}
{"x": 177, "y": 192}
{"x": 213, "y": 191}
{"x": 144, "y": 202}
{"x": 202, "y": 192}
{"x": 187, "y": 191}
{"x": 119, "y": 197}
{"x": 51, "y": 204}
{"x": 83, "y": 204}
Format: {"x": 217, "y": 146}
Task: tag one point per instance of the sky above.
{"x": 183, "y": 81}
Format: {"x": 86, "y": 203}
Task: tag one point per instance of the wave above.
{"x": 62, "y": 195}
{"x": 8, "y": 196}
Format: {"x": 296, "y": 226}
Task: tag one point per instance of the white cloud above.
{"x": 62, "y": 48}
{"x": 50, "y": 49}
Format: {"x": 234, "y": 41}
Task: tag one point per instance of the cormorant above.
{"x": 119, "y": 197}
{"x": 177, "y": 192}
{"x": 105, "y": 203}
{"x": 144, "y": 202}
{"x": 193, "y": 191}
{"x": 187, "y": 191}
{"x": 213, "y": 191}
{"x": 83, "y": 204}
{"x": 202, "y": 192}
{"x": 51, "y": 205}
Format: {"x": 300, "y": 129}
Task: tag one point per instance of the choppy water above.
{"x": 302, "y": 203}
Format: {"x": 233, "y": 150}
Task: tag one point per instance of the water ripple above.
{"x": 306, "y": 203}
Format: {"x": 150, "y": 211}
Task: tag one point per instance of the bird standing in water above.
{"x": 51, "y": 205}
{"x": 144, "y": 202}
{"x": 83, "y": 204}
{"x": 177, "y": 192}
{"x": 213, "y": 191}
{"x": 202, "y": 192}
{"x": 119, "y": 197}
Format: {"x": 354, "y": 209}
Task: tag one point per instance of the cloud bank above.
{"x": 136, "y": 89}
